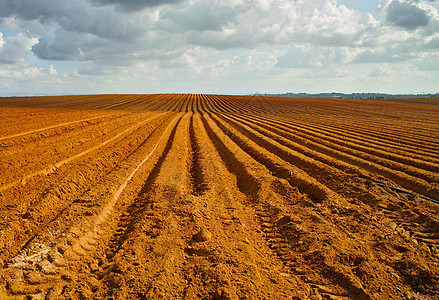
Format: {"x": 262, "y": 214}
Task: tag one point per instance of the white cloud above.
{"x": 252, "y": 64}
{"x": 383, "y": 71}
{"x": 14, "y": 49}
{"x": 108, "y": 41}
{"x": 22, "y": 79}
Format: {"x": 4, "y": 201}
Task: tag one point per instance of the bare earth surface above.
{"x": 218, "y": 197}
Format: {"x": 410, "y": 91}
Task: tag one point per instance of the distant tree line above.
{"x": 350, "y": 96}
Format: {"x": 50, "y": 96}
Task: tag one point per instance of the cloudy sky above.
{"x": 218, "y": 46}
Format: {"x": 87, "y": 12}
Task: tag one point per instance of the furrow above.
{"x": 50, "y": 169}
{"x": 152, "y": 208}
{"x": 246, "y": 183}
{"x": 363, "y": 147}
{"x": 203, "y": 103}
{"x": 400, "y": 145}
{"x": 15, "y": 162}
{"x": 47, "y": 208}
{"x": 199, "y": 184}
{"x": 318, "y": 153}
{"x": 104, "y": 214}
{"x": 268, "y": 211}
{"x": 379, "y": 131}
{"x": 61, "y": 258}
{"x": 414, "y": 183}
{"x": 51, "y": 127}
{"x": 350, "y": 186}
{"x": 210, "y": 104}
{"x": 299, "y": 144}
{"x": 278, "y": 161}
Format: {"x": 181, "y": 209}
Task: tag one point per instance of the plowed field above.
{"x": 218, "y": 197}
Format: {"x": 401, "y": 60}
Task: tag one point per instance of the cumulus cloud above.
{"x": 80, "y": 31}
{"x": 252, "y": 64}
{"x": 382, "y": 55}
{"x": 14, "y": 49}
{"x": 16, "y": 75}
{"x": 249, "y": 24}
{"x": 406, "y": 15}
{"x": 382, "y": 71}
{"x": 308, "y": 56}
{"x": 111, "y": 39}
{"x": 94, "y": 31}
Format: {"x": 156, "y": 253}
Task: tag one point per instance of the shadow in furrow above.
{"x": 136, "y": 210}
{"x": 68, "y": 206}
{"x": 153, "y": 175}
{"x": 315, "y": 191}
{"x": 246, "y": 183}
{"x": 198, "y": 182}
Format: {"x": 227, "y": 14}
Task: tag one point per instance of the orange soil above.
{"x": 218, "y": 197}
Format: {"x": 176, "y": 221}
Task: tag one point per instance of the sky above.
{"x": 218, "y": 46}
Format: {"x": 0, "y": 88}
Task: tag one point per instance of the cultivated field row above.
{"x": 218, "y": 197}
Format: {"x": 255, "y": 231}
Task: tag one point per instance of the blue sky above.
{"x": 212, "y": 46}
{"x": 361, "y": 5}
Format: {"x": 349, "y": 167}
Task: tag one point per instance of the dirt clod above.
{"x": 46, "y": 267}
{"x": 202, "y": 236}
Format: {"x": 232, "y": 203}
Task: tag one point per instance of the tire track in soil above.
{"x": 79, "y": 189}
{"x": 137, "y": 209}
{"x": 89, "y": 237}
{"x": 278, "y": 242}
{"x": 359, "y": 192}
{"x": 42, "y": 206}
{"x": 147, "y": 213}
{"x": 55, "y": 262}
{"x": 233, "y": 211}
{"x": 417, "y": 226}
{"x": 57, "y": 165}
{"x": 417, "y": 222}
{"x": 283, "y": 240}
